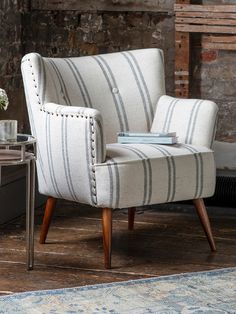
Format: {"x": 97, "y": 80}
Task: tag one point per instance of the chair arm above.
{"x": 71, "y": 141}
{"x": 82, "y": 121}
{"x": 194, "y": 120}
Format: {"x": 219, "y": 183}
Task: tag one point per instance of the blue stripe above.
{"x": 171, "y": 115}
{"x": 194, "y": 122}
{"x": 192, "y": 114}
{"x": 64, "y": 144}
{"x": 61, "y": 82}
{"x": 119, "y": 100}
{"x": 114, "y": 196}
{"x": 79, "y": 80}
{"x": 171, "y": 172}
{"x": 49, "y": 155}
{"x": 144, "y": 83}
{"x": 52, "y": 78}
{"x": 199, "y": 170}
{"x": 147, "y": 172}
{"x": 145, "y": 105}
{"x": 173, "y": 101}
{"x": 111, "y": 182}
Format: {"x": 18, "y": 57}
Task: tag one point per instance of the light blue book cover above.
{"x": 147, "y": 140}
{"x": 147, "y": 134}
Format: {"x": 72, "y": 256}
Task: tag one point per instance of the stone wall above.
{"x": 11, "y": 12}
{"x": 70, "y": 28}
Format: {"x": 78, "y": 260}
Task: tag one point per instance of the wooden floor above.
{"x": 166, "y": 240}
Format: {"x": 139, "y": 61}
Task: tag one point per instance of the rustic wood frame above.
{"x": 216, "y": 23}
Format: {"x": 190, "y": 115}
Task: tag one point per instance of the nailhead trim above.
{"x": 93, "y": 155}
{"x": 34, "y": 80}
{"x": 77, "y": 115}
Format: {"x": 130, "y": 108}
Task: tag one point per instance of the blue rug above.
{"x": 210, "y": 292}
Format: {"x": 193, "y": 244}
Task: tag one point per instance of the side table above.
{"x": 22, "y": 151}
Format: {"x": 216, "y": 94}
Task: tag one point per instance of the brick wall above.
{"x": 71, "y": 28}
{"x": 10, "y": 56}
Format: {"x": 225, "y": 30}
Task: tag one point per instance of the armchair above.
{"x": 76, "y": 107}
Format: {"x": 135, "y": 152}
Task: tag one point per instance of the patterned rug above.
{"x": 209, "y": 292}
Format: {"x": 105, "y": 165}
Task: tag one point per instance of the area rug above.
{"x": 210, "y": 292}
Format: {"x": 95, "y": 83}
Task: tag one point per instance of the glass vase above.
{"x": 8, "y": 130}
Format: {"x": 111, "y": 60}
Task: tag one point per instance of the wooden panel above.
{"x": 182, "y": 64}
{"x": 214, "y": 19}
{"x": 219, "y": 46}
{"x": 205, "y": 8}
{"x": 182, "y": 61}
{"x": 104, "y": 5}
{"x": 219, "y": 42}
{"x": 221, "y": 15}
{"x": 206, "y": 21}
{"x": 219, "y": 39}
{"x": 205, "y": 29}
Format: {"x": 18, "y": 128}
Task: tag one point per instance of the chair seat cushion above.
{"x": 135, "y": 174}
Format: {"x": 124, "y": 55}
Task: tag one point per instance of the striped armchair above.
{"x": 76, "y": 107}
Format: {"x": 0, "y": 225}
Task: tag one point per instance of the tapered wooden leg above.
{"x": 49, "y": 209}
{"x": 202, "y": 213}
{"x": 131, "y": 215}
{"x": 107, "y": 235}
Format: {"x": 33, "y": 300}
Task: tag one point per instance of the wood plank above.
{"x": 182, "y": 55}
{"x": 219, "y": 42}
{"x": 230, "y": 39}
{"x": 182, "y": 64}
{"x": 104, "y": 5}
{"x": 73, "y": 255}
{"x": 205, "y": 29}
{"x": 220, "y": 15}
{"x": 204, "y": 8}
{"x": 219, "y": 46}
{"x": 205, "y": 21}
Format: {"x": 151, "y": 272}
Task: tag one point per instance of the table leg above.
{"x": 30, "y": 197}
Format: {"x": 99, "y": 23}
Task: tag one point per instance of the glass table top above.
{"x": 22, "y": 139}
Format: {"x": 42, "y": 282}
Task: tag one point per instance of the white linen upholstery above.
{"x": 194, "y": 120}
{"x": 77, "y": 105}
{"x": 119, "y": 85}
{"x": 142, "y": 174}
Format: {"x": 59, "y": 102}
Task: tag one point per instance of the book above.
{"x": 147, "y": 134}
{"x": 147, "y": 138}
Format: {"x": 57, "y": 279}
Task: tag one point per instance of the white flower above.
{"x": 3, "y": 99}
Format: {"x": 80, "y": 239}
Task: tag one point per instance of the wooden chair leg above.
{"x": 203, "y": 216}
{"x": 49, "y": 209}
{"x": 131, "y": 215}
{"x": 107, "y": 235}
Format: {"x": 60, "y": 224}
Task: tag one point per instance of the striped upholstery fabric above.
{"x": 77, "y": 105}
{"x": 142, "y": 174}
{"x": 194, "y": 120}
{"x": 100, "y": 82}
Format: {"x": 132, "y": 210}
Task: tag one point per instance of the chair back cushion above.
{"x": 123, "y": 86}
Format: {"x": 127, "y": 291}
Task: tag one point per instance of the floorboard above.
{"x": 166, "y": 240}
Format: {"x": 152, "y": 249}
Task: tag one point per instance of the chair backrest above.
{"x": 123, "y": 86}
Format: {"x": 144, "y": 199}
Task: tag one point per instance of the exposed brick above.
{"x": 209, "y": 55}
{"x": 131, "y": 25}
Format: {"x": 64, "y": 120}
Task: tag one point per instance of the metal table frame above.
{"x": 21, "y": 156}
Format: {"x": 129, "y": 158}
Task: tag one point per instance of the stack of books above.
{"x": 147, "y": 138}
